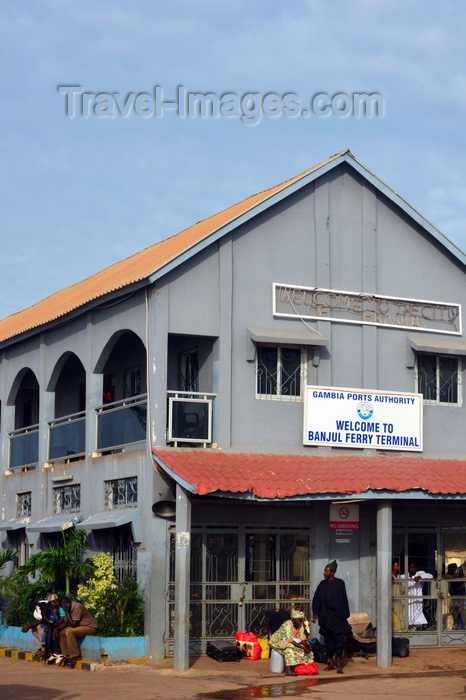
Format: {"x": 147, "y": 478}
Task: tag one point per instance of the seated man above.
{"x": 80, "y": 624}
{"x": 57, "y": 622}
{"x": 39, "y": 626}
{"x": 290, "y": 640}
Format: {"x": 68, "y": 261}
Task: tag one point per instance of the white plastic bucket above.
{"x": 277, "y": 662}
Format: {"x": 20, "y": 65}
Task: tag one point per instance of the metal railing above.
{"x": 67, "y": 437}
{"x": 440, "y": 607}
{"x": 121, "y": 423}
{"x": 24, "y": 447}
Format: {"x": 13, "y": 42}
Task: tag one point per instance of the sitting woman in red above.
{"x": 290, "y": 640}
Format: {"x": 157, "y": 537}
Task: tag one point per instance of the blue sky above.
{"x": 77, "y": 194}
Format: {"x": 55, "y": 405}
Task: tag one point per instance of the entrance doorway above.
{"x": 238, "y": 573}
{"x": 430, "y": 611}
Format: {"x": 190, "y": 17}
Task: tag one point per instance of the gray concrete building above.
{"x": 279, "y": 385}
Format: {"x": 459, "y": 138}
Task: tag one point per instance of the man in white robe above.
{"x": 416, "y": 616}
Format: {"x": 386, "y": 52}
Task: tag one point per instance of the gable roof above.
{"x": 158, "y": 259}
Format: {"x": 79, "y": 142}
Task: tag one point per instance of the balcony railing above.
{"x": 121, "y": 423}
{"x": 24, "y": 447}
{"x": 67, "y": 437}
{"x": 190, "y": 417}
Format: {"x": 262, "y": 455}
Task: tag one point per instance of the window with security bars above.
{"x": 121, "y": 493}
{"x": 439, "y": 379}
{"x": 119, "y": 543}
{"x": 67, "y": 499}
{"x": 279, "y": 373}
{"x": 23, "y": 505}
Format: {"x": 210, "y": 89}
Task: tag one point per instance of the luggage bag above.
{"x": 400, "y": 647}
{"x": 318, "y": 650}
{"x": 248, "y": 645}
{"x": 223, "y": 650}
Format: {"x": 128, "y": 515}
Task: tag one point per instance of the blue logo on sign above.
{"x": 365, "y": 410}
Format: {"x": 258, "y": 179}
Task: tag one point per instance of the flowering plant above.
{"x": 117, "y": 606}
{"x": 93, "y": 594}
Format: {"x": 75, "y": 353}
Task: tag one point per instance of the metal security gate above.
{"x": 237, "y": 574}
{"x": 432, "y": 610}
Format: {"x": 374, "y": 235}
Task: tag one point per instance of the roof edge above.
{"x": 297, "y": 183}
{"x": 198, "y": 238}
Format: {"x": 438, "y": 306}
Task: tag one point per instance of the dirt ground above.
{"x": 426, "y": 673}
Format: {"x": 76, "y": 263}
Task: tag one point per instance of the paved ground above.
{"x": 427, "y": 673}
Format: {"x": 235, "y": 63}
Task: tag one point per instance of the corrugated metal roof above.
{"x": 282, "y": 476}
{"x": 136, "y": 268}
{"x": 160, "y": 257}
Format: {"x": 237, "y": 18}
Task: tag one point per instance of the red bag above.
{"x": 248, "y": 645}
{"x": 306, "y": 669}
{"x": 242, "y": 637}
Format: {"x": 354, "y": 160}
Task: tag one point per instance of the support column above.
{"x": 182, "y": 573}
{"x": 384, "y": 584}
{"x": 94, "y": 391}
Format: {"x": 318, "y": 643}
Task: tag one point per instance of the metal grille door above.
{"x": 237, "y": 575}
{"x": 429, "y": 594}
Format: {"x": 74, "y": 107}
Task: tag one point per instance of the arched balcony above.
{"x": 24, "y": 439}
{"x": 67, "y": 431}
{"x": 122, "y": 417}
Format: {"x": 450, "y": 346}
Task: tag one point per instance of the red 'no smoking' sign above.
{"x": 344, "y": 517}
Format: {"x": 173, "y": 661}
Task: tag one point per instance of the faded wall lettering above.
{"x": 348, "y": 307}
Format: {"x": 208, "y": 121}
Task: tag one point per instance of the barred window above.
{"x": 23, "y": 504}
{"x": 121, "y": 493}
{"x": 119, "y": 543}
{"x": 439, "y": 379}
{"x": 279, "y": 372}
{"x": 67, "y": 499}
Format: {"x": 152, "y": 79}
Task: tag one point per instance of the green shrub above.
{"x": 18, "y": 594}
{"x": 124, "y": 611}
{"x": 54, "y": 570}
{"x": 117, "y": 607}
{"x": 93, "y": 594}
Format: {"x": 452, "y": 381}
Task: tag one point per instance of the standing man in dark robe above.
{"x": 330, "y": 607}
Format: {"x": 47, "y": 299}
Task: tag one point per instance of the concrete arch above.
{"x": 123, "y": 364}
{"x": 17, "y": 383}
{"x": 55, "y": 374}
{"x": 110, "y": 346}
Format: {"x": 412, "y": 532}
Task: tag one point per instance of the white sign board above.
{"x": 361, "y": 418}
{"x": 344, "y": 516}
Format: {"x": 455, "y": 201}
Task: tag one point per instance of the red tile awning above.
{"x": 286, "y": 476}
